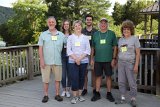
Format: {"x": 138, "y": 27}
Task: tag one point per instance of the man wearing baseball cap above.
{"x": 103, "y": 56}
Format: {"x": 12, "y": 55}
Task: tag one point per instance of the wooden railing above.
{"x": 23, "y": 62}
{"x": 148, "y": 78}
{"x": 149, "y": 40}
{"x": 18, "y": 62}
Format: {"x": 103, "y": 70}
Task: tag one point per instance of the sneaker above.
{"x": 68, "y": 94}
{"x": 120, "y": 102}
{"x": 81, "y": 99}
{"x": 84, "y": 92}
{"x": 110, "y": 97}
{"x": 45, "y": 99}
{"x": 133, "y": 103}
{"x": 63, "y": 93}
{"x": 74, "y": 100}
{"x": 58, "y": 98}
{"x": 123, "y": 100}
{"x": 96, "y": 96}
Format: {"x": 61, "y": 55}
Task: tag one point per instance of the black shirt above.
{"x": 89, "y": 33}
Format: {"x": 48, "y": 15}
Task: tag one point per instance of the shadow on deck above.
{"x": 28, "y": 93}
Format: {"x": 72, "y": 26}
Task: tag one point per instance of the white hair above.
{"x": 51, "y": 17}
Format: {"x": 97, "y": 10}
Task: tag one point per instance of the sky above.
{"x": 8, "y": 3}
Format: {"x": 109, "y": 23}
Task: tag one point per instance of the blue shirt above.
{"x": 52, "y": 47}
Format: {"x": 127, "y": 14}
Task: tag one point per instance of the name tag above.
{"x": 103, "y": 41}
{"x": 77, "y": 44}
{"x": 54, "y": 37}
{"x": 124, "y": 49}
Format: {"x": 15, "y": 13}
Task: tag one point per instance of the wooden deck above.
{"x": 28, "y": 93}
{"x": 23, "y": 62}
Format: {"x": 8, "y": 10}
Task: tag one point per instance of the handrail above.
{"x": 19, "y": 46}
{"x": 18, "y": 62}
{"x": 23, "y": 61}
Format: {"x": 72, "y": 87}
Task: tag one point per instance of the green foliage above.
{"x": 77, "y": 9}
{"x": 5, "y": 14}
{"x": 140, "y": 27}
{"x": 28, "y": 20}
{"x": 117, "y": 14}
{"x": 130, "y": 11}
{"x": 29, "y": 17}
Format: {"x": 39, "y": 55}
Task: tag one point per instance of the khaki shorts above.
{"x": 56, "y": 70}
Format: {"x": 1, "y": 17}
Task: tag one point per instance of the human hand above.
{"x": 135, "y": 69}
{"x": 113, "y": 63}
{"x": 78, "y": 61}
{"x": 42, "y": 64}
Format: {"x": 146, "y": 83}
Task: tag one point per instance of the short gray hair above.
{"x": 51, "y": 17}
{"x": 77, "y": 21}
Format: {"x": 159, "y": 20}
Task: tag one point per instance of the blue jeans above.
{"x": 66, "y": 79}
{"x": 77, "y": 75}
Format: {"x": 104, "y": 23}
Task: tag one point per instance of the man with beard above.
{"x": 89, "y": 31}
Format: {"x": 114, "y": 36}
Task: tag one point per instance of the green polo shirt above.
{"x": 103, "y": 44}
{"x": 52, "y": 48}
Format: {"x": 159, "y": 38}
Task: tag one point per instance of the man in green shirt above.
{"x": 103, "y": 56}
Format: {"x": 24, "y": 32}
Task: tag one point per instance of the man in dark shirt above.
{"x": 89, "y": 31}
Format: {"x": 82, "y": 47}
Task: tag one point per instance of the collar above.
{"x": 57, "y": 33}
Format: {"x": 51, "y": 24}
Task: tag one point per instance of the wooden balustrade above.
{"x": 18, "y": 62}
{"x": 23, "y": 62}
{"x": 148, "y": 78}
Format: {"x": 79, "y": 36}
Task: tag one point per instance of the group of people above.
{"x": 70, "y": 53}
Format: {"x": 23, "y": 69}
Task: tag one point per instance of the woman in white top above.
{"x": 78, "y": 49}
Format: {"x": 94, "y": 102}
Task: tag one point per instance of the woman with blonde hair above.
{"x": 78, "y": 49}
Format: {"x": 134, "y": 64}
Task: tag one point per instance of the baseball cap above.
{"x": 103, "y": 19}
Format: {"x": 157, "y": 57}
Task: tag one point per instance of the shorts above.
{"x": 56, "y": 70}
{"x": 99, "y": 67}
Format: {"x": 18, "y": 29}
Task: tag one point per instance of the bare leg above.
{"x": 98, "y": 83}
{"x": 57, "y": 86}
{"x": 45, "y": 87}
{"x": 109, "y": 83}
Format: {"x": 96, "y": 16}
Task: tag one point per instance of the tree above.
{"x": 117, "y": 14}
{"x": 5, "y": 14}
{"x": 130, "y": 11}
{"x": 29, "y": 20}
{"x": 77, "y": 9}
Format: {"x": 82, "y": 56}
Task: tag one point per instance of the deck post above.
{"x": 145, "y": 25}
{"x": 30, "y": 63}
{"x": 158, "y": 74}
{"x": 159, "y": 24}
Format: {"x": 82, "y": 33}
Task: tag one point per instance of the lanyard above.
{"x": 105, "y": 35}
